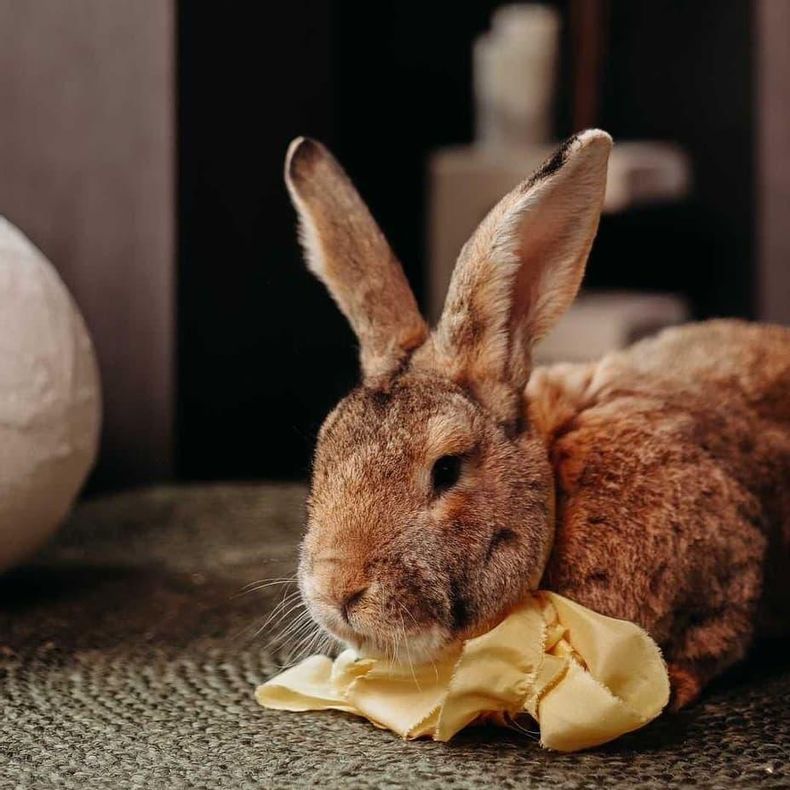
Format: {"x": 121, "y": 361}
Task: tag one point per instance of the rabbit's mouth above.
{"x": 399, "y": 640}
{"x": 413, "y": 648}
{"x": 399, "y": 644}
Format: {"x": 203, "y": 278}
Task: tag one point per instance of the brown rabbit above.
{"x": 436, "y": 481}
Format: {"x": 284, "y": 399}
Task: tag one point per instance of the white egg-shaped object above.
{"x": 50, "y": 399}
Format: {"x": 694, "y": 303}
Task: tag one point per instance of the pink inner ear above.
{"x": 554, "y": 240}
{"x": 533, "y": 241}
{"x": 536, "y": 303}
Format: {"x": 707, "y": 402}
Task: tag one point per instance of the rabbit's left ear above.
{"x": 518, "y": 273}
{"x": 346, "y": 250}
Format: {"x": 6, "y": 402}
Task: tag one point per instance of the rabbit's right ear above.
{"x": 346, "y": 250}
{"x": 518, "y": 273}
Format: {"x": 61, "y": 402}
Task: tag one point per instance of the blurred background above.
{"x": 141, "y": 148}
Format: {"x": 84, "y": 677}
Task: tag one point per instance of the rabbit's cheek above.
{"x": 500, "y": 540}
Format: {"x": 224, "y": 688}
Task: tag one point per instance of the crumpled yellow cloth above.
{"x": 585, "y": 678}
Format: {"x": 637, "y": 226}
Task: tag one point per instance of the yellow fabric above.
{"x": 585, "y": 678}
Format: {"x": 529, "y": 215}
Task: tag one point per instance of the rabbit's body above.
{"x": 672, "y": 472}
{"x": 434, "y": 482}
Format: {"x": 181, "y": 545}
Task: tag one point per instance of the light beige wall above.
{"x": 772, "y": 42}
{"x": 87, "y": 171}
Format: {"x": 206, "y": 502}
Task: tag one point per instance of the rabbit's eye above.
{"x": 446, "y": 472}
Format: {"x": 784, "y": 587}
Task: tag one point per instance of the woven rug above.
{"x": 128, "y": 658}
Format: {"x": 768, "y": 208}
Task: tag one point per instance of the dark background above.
{"x": 262, "y": 352}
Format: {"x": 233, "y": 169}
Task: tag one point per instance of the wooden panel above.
{"x": 86, "y": 140}
{"x": 773, "y": 159}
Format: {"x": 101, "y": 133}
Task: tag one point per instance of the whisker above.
{"x": 328, "y": 645}
{"x": 263, "y": 584}
{"x": 533, "y": 734}
{"x": 285, "y": 607}
{"x": 310, "y": 646}
{"x": 433, "y": 662}
{"x": 408, "y": 653}
{"x": 306, "y": 632}
{"x": 292, "y": 627}
{"x": 280, "y": 637}
{"x": 286, "y": 600}
{"x": 251, "y": 590}
{"x": 285, "y": 649}
{"x": 260, "y": 583}
{"x": 304, "y": 646}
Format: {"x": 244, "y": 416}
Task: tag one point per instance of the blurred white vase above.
{"x": 50, "y": 399}
{"x": 515, "y": 67}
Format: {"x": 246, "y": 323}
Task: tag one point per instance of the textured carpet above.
{"x": 128, "y": 659}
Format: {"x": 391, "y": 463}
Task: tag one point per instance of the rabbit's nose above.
{"x": 350, "y": 601}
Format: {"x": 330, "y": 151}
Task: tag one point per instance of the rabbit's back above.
{"x": 672, "y": 460}
{"x": 718, "y": 358}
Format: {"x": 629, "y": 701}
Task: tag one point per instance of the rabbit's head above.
{"x": 430, "y": 513}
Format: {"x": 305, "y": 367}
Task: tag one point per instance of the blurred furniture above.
{"x": 86, "y": 155}
{"x": 772, "y": 27}
{"x": 466, "y": 181}
{"x": 127, "y": 659}
{"x": 137, "y": 150}
{"x": 514, "y": 78}
{"x": 141, "y": 148}
{"x": 603, "y": 321}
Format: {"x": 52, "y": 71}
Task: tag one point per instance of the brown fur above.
{"x": 672, "y": 464}
{"x": 348, "y": 252}
{"x": 518, "y": 273}
{"x": 670, "y": 460}
{"x": 440, "y": 565}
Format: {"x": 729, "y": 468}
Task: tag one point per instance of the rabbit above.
{"x": 651, "y": 485}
